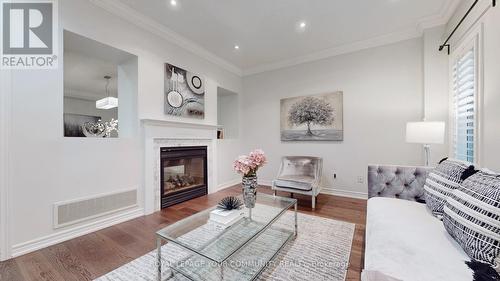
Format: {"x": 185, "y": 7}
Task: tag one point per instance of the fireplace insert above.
{"x": 183, "y": 174}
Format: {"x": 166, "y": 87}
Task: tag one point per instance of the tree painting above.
{"x": 317, "y": 117}
{"x": 310, "y": 111}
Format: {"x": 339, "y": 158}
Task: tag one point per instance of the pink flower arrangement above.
{"x": 247, "y": 165}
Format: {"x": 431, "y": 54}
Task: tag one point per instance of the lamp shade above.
{"x": 107, "y": 103}
{"x": 425, "y": 132}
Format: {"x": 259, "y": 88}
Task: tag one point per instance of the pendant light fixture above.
{"x": 108, "y": 102}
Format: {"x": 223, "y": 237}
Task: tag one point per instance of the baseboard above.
{"x": 52, "y": 239}
{"x": 228, "y": 184}
{"x": 329, "y": 191}
{"x": 344, "y": 193}
{"x": 265, "y": 182}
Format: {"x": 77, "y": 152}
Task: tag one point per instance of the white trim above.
{"x": 228, "y": 184}
{"x": 338, "y": 50}
{"x": 441, "y": 18}
{"x": 472, "y": 39}
{"x": 177, "y": 124}
{"x": 52, "y": 239}
{"x": 57, "y": 225}
{"x": 5, "y": 132}
{"x": 330, "y": 191}
{"x": 470, "y": 22}
{"x": 152, "y": 200}
{"x": 345, "y": 193}
{"x": 265, "y": 182}
{"x": 125, "y": 12}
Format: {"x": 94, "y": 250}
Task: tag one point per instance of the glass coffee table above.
{"x": 239, "y": 252}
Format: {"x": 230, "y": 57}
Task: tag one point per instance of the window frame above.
{"x": 471, "y": 40}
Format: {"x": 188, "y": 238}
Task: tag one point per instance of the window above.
{"x": 465, "y": 102}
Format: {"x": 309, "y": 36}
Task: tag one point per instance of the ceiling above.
{"x": 266, "y": 31}
{"x": 86, "y": 62}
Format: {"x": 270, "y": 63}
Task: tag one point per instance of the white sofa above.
{"x": 403, "y": 240}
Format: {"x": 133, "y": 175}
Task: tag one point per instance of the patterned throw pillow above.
{"x": 472, "y": 216}
{"x": 441, "y": 182}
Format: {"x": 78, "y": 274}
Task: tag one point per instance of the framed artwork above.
{"x": 73, "y": 124}
{"x": 312, "y": 118}
{"x": 184, "y": 93}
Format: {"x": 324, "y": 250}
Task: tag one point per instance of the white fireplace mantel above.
{"x": 158, "y": 134}
{"x": 178, "y": 124}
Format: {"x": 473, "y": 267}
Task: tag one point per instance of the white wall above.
{"x": 127, "y": 87}
{"x": 227, "y": 151}
{"x": 5, "y": 104}
{"x": 489, "y": 19}
{"x": 228, "y": 116}
{"x": 62, "y": 169}
{"x": 436, "y": 85}
{"x": 383, "y": 89}
{"x": 491, "y": 95}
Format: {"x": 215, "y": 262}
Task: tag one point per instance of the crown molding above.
{"x": 339, "y": 50}
{"x": 123, "y": 11}
{"x": 441, "y": 18}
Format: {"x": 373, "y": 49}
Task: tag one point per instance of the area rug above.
{"x": 320, "y": 251}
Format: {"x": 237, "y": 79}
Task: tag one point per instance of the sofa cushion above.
{"x": 376, "y": 276}
{"x": 472, "y": 216}
{"x": 441, "y": 182}
{"x": 295, "y": 182}
{"x": 404, "y": 241}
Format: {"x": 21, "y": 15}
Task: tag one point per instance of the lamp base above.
{"x": 427, "y": 149}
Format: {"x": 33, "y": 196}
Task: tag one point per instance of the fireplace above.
{"x": 183, "y": 174}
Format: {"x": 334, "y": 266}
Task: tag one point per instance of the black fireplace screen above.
{"x": 183, "y": 174}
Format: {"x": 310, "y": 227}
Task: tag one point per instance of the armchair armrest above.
{"x": 318, "y": 174}
{"x": 402, "y": 182}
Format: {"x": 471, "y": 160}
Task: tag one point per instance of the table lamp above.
{"x": 425, "y": 133}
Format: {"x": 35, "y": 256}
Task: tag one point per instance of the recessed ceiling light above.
{"x": 173, "y": 2}
{"x": 301, "y": 26}
{"x": 236, "y": 47}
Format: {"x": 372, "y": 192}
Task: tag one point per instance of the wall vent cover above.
{"x": 75, "y": 211}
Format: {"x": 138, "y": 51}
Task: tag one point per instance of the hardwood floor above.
{"x": 90, "y": 256}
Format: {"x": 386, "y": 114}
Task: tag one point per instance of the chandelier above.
{"x": 108, "y": 102}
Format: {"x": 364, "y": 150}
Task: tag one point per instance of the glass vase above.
{"x": 249, "y": 184}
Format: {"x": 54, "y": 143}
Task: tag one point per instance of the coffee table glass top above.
{"x": 219, "y": 244}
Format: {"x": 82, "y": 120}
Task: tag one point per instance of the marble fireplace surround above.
{"x": 158, "y": 134}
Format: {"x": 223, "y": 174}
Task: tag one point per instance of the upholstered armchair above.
{"x": 300, "y": 174}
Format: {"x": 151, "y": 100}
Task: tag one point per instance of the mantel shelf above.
{"x": 178, "y": 124}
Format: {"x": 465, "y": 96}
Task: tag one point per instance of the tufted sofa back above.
{"x": 402, "y": 182}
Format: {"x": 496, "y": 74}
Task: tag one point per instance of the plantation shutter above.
{"x": 464, "y": 104}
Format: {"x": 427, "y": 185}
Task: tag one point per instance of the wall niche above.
{"x": 228, "y": 115}
{"x": 100, "y": 89}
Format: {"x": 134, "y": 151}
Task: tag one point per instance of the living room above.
{"x": 324, "y": 127}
